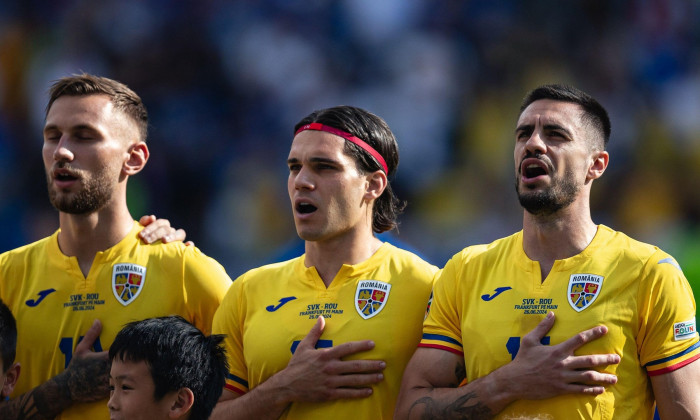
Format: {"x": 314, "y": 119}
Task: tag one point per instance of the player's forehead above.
{"x": 96, "y": 111}
{"x": 551, "y": 112}
{"x": 79, "y": 108}
{"x": 311, "y": 144}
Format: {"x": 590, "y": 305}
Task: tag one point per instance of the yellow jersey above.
{"x": 54, "y": 304}
{"x": 488, "y": 296}
{"x": 270, "y": 309}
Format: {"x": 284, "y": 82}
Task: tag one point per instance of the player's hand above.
{"x": 160, "y": 229}
{"x": 87, "y": 375}
{"x": 541, "y": 371}
{"x": 323, "y": 375}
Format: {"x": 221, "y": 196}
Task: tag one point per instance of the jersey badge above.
{"x": 371, "y": 297}
{"x": 684, "y": 330}
{"x": 583, "y": 290}
{"x": 127, "y": 281}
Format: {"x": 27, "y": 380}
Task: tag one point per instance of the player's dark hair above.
{"x": 123, "y": 98}
{"x": 593, "y": 111}
{"x": 8, "y": 337}
{"x": 178, "y": 356}
{"x": 374, "y": 131}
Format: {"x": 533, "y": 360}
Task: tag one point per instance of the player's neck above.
{"x": 83, "y": 236}
{"x": 556, "y": 237}
{"x": 329, "y": 256}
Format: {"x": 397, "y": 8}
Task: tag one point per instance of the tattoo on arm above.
{"x": 85, "y": 380}
{"x": 435, "y": 410}
{"x": 41, "y": 403}
{"x": 460, "y": 372}
{"x": 457, "y": 409}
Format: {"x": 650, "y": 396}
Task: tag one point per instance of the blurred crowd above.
{"x": 225, "y": 82}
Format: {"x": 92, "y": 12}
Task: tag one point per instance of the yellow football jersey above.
{"x": 488, "y": 296}
{"x": 54, "y": 304}
{"x": 270, "y": 309}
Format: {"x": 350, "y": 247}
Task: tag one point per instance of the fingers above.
{"x": 89, "y": 339}
{"x": 309, "y": 342}
{"x": 355, "y": 380}
{"x": 535, "y": 336}
{"x": 583, "y": 337}
{"x": 348, "y": 393}
{"x": 178, "y": 235}
{"x": 147, "y": 220}
{"x": 160, "y": 229}
{"x": 350, "y": 368}
{"x": 592, "y": 361}
{"x": 351, "y": 347}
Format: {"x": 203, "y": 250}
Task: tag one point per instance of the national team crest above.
{"x": 583, "y": 290}
{"x": 371, "y": 297}
{"x": 127, "y": 282}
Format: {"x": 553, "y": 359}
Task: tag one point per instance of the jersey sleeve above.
{"x": 206, "y": 283}
{"x": 441, "y": 328}
{"x": 228, "y": 321}
{"x": 668, "y": 338}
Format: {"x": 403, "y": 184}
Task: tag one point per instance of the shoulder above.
{"x": 499, "y": 248}
{"x": 630, "y": 250}
{"x": 32, "y": 250}
{"x": 406, "y": 259}
{"x": 269, "y": 272}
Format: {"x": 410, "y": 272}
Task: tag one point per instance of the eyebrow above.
{"x": 526, "y": 127}
{"x": 315, "y": 160}
{"x": 121, "y": 377}
{"x": 74, "y": 128}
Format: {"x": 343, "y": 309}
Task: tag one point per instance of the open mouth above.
{"x": 532, "y": 168}
{"x": 305, "y": 208}
{"x": 64, "y": 177}
{"x": 533, "y": 171}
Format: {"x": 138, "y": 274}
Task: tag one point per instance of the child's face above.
{"x": 131, "y": 393}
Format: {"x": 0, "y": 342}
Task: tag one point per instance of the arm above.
{"x": 160, "y": 229}
{"x": 85, "y": 380}
{"x": 677, "y": 392}
{"x": 312, "y": 375}
{"x": 430, "y": 387}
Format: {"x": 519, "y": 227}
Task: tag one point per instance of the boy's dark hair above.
{"x": 178, "y": 355}
{"x": 374, "y": 131}
{"x": 123, "y": 98}
{"x": 593, "y": 111}
{"x": 8, "y": 337}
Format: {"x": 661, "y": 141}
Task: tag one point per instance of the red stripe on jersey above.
{"x": 437, "y": 346}
{"x": 673, "y": 367}
{"x": 234, "y": 389}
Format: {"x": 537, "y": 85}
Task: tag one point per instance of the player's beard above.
{"x": 546, "y": 202}
{"x": 94, "y": 194}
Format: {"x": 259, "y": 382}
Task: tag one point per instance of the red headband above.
{"x": 349, "y": 137}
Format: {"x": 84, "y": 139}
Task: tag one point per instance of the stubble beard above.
{"x": 547, "y": 202}
{"x": 94, "y": 194}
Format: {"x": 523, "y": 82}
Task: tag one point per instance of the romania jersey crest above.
{"x": 583, "y": 290}
{"x": 371, "y": 297}
{"x": 127, "y": 281}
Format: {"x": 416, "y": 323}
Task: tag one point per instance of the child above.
{"x": 165, "y": 368}
{"x": 8, "y": 345}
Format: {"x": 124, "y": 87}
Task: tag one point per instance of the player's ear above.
{"x": 376, "y": 184}
{"x": 138, "y": 156}
{"x": 184, "y": 399}
{"x": 598, "y": 164}
{"x": 11, "y": 378}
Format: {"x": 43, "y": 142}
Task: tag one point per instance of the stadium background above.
{"x": 225, "y": 81}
